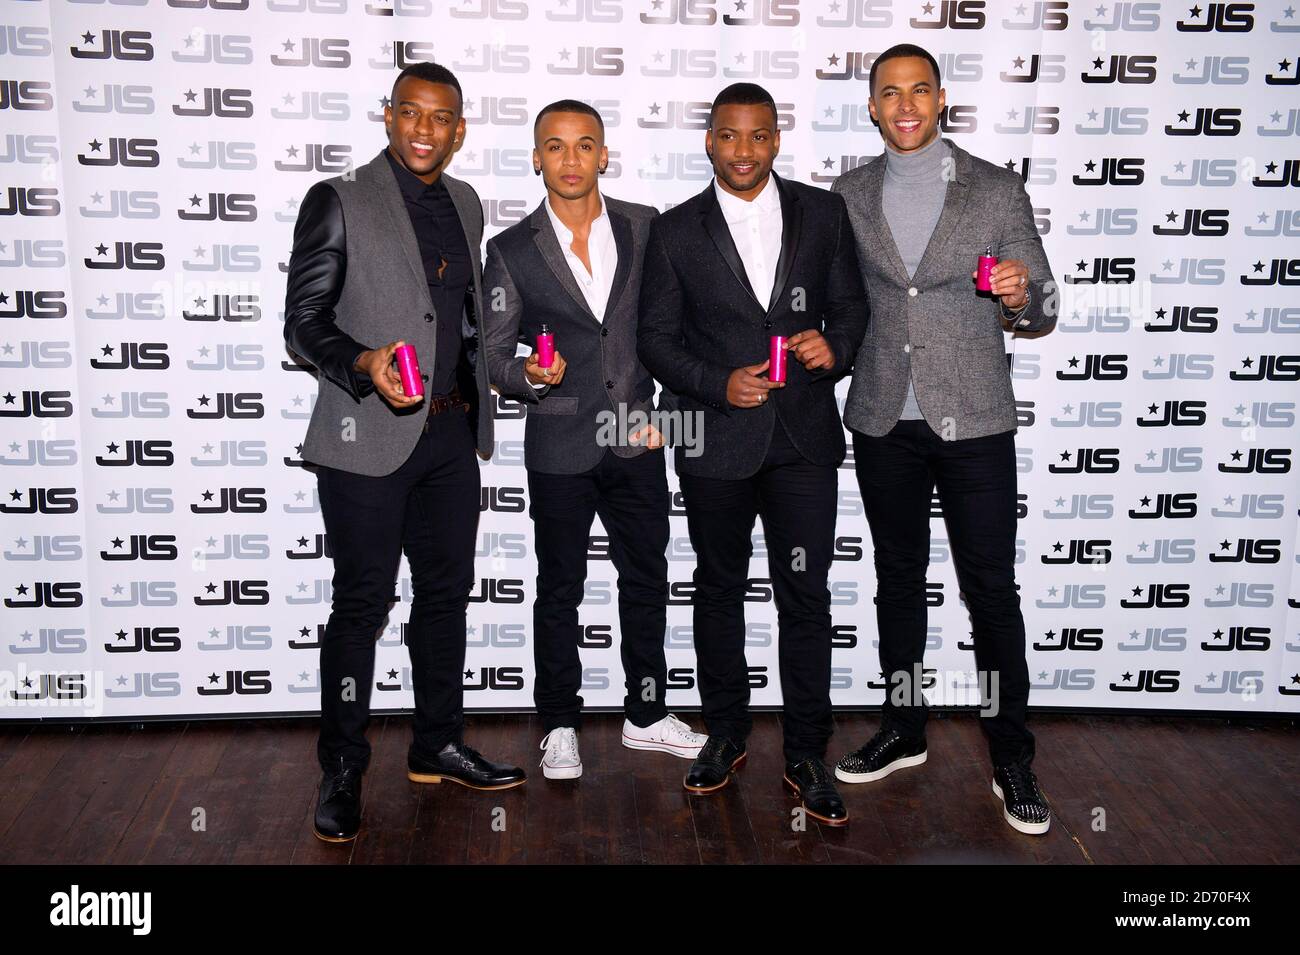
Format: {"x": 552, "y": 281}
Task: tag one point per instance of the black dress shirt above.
{"x": 442, "y": 240}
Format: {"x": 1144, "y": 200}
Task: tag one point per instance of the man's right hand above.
{"x": 538, "y": 375}
{"x": 746, "y": 390}
{"x": 379, "y": 365}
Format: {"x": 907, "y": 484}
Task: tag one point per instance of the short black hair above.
{"x": 901, "y": 50}
{"x": 744, "y": 94}
{"x": 430, "y": 73}
{"x": 569, "y": 106}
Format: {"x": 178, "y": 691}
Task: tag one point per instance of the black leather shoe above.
{"x": 460, "y": 763}
{"x": 338, "y": 808}
{"x": 1023, "y": 805}
{"x": 712, "y": 769}
{"x": 885, "y": 752}
{"x": 811, "y": 781}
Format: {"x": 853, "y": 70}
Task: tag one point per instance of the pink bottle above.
{"x": 545, "y": 347}
{"x": 983, "y": 276}
{"x": 408, "y": 366}
{"x": 776, "y": 359}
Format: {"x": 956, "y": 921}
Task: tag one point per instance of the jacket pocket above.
{"x": 555, "y": 404}
{"x": 982, "y": 375}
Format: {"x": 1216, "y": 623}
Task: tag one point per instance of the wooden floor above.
{"x": 1171, "y": 790}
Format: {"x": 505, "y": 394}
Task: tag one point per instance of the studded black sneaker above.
{"x": 884, "y": 753}
{"x": 1023, "y": 805}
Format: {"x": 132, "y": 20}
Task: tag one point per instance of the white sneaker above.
{"x": 669, "y": 735}
{"x": 561, "y": 760}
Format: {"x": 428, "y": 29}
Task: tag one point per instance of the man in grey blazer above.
{"x": 573, "y": 267}
{"x": 931, "y": 405}
{"x": 386, "y": 256}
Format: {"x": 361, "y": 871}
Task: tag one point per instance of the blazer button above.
{"x": 907, "y": 348}
{"x": 428, "y": 316}
{"x": 604, "y": 332}
{"x": 768, "y": 323}
{"x": 609, "y": 384}
{"x": 912, "y": 291}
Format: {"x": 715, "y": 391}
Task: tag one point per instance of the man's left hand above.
{"x": 1009, "y": 280}
{"x": 812, "y": 349}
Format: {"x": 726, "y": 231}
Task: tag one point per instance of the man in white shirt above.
{"x": 574, "y": 267}
{"x": 750, "y": 257}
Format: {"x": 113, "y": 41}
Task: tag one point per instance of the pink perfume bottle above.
{"x": 408, "y": 366}
{"x": 545, "y": 347}
{"x": 983, "y": 274}
{"x": 776, "y": 359}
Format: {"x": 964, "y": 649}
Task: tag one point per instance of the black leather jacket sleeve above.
{"x": 317, "y": 267}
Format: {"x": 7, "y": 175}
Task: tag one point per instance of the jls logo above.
{"x": 1125, "y": 17}
{"x": 1209, "y": 121}
{"x": 323, "y": 52}
{"x": 1218, "y": 18}
{"x": 1147, "y": 681}
{"x": 236, "y": 682}
{"x": 951, "y": 15}
{"x": 145, "y": 640}
{"x": 127, "y": 45}
{"x": 1080, "y": 551}
{"x": 234, "y": 103}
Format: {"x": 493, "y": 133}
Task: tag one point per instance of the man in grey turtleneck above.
{"x": 912, "y": 198}
{"x": 931, "y": 405}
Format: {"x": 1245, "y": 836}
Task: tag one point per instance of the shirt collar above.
{"x": 412, "y": 186}
{"x": 735, "y": 208}
{"x": 562, "y": 230}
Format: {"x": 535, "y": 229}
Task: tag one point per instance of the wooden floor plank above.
{"x": 1174, "y": 791}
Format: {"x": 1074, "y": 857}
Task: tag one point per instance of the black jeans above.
{"x": 797, "y": 502}
{"x": 631, "y": 497}
{"x": 976, "y": 478}
{"x": 429, "y": 508}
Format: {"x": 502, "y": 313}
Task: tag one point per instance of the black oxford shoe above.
{"x": 338, "y": 808}
{"x": 461, "y": 763}
{"x": 712, "y": 769}
{"x": 811, "y": 781}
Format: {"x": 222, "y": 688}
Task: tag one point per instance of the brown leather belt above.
{"x": 440, "y": 403}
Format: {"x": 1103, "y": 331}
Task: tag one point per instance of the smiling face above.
{"x": 743, "y": 144}
{"x": 906, "y": 102}
{"x": 570, "y": 152}
{"x": 423, "y": 124}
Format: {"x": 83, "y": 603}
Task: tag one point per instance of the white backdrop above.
{"x": 163, "y": 545}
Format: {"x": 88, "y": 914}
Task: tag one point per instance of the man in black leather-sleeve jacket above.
{"x": 386, "y": 257}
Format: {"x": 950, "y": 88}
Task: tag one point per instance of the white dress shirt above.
{"x": 601, "y": 251}
{"x": 755, "y": 227}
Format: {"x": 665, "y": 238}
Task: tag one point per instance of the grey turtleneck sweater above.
{"x": 912, "y": 197}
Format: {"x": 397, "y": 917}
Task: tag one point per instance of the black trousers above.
{"x": 631, "y": 497}
{"x": 796, "y": 500}
{"x": 429, "y": 508}
{"x": 976, "y": 478}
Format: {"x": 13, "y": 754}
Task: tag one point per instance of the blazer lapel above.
{"x": 716, "y": 225}
{"x": 876, "y": 221}
{"x": 390, "y": 195}
{"x": 623, "y": 245}
{"x": 954, "y": 205}
{"x": 791, "y": 221}
{"x": 549, "y": 246}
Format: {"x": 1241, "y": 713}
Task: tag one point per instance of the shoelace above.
{"x": 682, "y": 729}
{"x": 818, "y": 775}
{"x": 880, "y": 742}
{"x": 1021, "y": 790}
{"x": 711, "y": 752}
{"x": 345, "y": 779}
{"x": 568, "y": 744}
